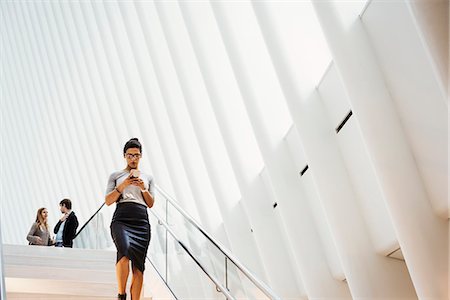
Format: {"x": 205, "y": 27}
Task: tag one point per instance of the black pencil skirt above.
{"x": 130, "y": 230}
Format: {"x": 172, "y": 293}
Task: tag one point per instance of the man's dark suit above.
{"x": 69, "y": 231}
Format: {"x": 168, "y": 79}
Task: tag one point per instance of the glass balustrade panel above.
{"x": 186, "y": 278}
{"x": 241, "y": 286}
{"x": 95, "y": 235}
{"x": 157, "y": 248}
{"x": 204, "y": 250}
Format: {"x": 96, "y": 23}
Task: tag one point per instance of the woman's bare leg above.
{"x": 122, "y": 271}
{"x": 136, "y": 284}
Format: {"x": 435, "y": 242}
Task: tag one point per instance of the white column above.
{"x": 170, "y": 80}
{"x": 391, "y": 155}
{"x": 276, "y": 183}
{"x": 317, "y": 277}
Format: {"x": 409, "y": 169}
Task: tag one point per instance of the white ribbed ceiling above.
{"x": 232, "y": 100}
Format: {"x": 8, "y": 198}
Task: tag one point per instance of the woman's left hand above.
{"x": 139, "y": 182}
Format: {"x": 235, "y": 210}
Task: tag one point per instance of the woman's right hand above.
{"x": 39, "y": 240}
{"x": 128, "y": 181}
{"x": 113, "y": 196}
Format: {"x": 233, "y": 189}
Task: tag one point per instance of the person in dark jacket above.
{"x": 67, "y": 225}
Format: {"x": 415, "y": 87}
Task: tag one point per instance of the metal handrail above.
{"x": 162, "y": 278}
{"x": 261, "y": 285}
{"x": 162, "y": 222}
{"x": 213, "y": 279}
{"x": 82, "y": 227}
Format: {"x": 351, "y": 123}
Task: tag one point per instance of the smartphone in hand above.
{"x": 135, "y": 173}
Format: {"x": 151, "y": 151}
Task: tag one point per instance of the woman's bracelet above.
{"x": 118, "y": 190}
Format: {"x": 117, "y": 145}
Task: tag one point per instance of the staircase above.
{"x": 34, "y": 272}
{"x": 193, "y": 264}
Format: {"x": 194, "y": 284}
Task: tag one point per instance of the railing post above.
{"x": 97, "y": 235}
{"x": 2, "y": 273}
{"x": 226, "y": 273}
{"x": 167, "y": 252}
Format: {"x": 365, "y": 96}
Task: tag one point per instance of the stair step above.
{"x": 59, "y": 253}
{"x": 59, "y": 297}
{"x": 54, "y": 297}
{"x": 60, "y": 287}
{"x": 72, "y": 262}
{"x": 54, "y": 273}
{"x": 34, "y": 272}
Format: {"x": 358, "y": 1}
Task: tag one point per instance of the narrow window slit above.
{"x": 304, "y": 170}
{"x": 347, "y": 117}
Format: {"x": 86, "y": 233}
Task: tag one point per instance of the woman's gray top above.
{"x": 37, "y": 231}
{"x": 131, "y": 193}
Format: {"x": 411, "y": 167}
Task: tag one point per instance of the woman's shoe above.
{"x": 122, "y": 297}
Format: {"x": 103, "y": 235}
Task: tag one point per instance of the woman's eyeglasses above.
{"x": 131, "y": 156}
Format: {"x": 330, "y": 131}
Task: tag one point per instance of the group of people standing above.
{"x": 133, "y": 192}
{"x": 65, "y": 229}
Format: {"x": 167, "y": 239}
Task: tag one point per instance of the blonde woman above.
{"x": 39, "y": 233}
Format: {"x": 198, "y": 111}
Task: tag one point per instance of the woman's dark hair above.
{"x": 132, "y": 143}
